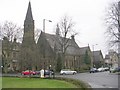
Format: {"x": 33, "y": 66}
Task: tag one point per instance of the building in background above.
{"x": 111, "y": 59}
{"x": 98, "y": 60}
{"x": 86, "y": 58}
{"x": 10, "y": 55}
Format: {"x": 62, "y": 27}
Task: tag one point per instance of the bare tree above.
{"x": 8, "y": 32}
{"x": 6, "y": 54}
{"x": 1, "y": 32}
{"x": 64, "y": 30}
{"x": 113, "y": 23}
{"x": 37, "y": 33}
{"x": 11, "y": 30}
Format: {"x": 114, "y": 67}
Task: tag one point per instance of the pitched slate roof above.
{"x": 73, "y": 49}
{"x": 107, "y": 56}
{"x": 97, "y": 55}
{"x": 54, "y": 40}
{"x": 83, "y": 50}
{"x": 97, "y": 52}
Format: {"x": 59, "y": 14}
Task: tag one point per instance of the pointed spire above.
{"x": 29, "y": 13}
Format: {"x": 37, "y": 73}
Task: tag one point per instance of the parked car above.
{"x": 47, "y": 72}
{"x": 67, "y": 71}
{"x": 117, "y": 69}
{"x": 37, "y": 72}
{"x": 106, "y": 68}
{"x": 28, "y": 72}
{"x": 112, "y": 70}
{"x": 101, "y": 69}
{"x": 93, "y": 70}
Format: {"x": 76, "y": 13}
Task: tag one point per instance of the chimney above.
{"x": 57, "y": 30}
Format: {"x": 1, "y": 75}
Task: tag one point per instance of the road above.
{"x": 97, "y": 80}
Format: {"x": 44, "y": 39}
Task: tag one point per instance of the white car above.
{"x": 106, "y": 68}
{"x": 112, "y": 70}
{"x": 67, "y": 71}
{"x": 101, "y": 69}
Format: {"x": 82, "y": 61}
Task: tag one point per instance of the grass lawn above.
{"x": 0, "y": 83}
{"x": 13, "y": 82}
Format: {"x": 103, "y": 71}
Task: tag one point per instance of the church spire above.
{"x": 29, "y": 26}
{"x": 29, "y": 13}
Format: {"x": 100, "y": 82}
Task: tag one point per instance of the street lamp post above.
{"x": 44, "y": 41}
{"x": 50, "y": 71}
{"x": 44, "y": 23}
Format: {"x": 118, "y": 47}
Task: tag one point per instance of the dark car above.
{"x": 93, "y": 70}
{"x": 47, "y": 72}
{"x": 117, "y": 69}
{"x": 37, "y": 72}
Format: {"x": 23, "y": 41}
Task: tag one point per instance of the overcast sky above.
{"x": 88, "y": 16}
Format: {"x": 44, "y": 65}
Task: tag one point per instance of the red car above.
{"x": 28, "y": 72}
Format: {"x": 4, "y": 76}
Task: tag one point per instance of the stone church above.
{"x": 47, "y": 52}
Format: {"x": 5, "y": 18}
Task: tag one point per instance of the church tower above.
{"x": 28, "y": 53}
{"x": 29, "y": 27}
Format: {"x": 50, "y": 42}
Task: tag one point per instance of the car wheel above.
{"x": 64, "y": 74}
{"x": 73, "y": 73}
